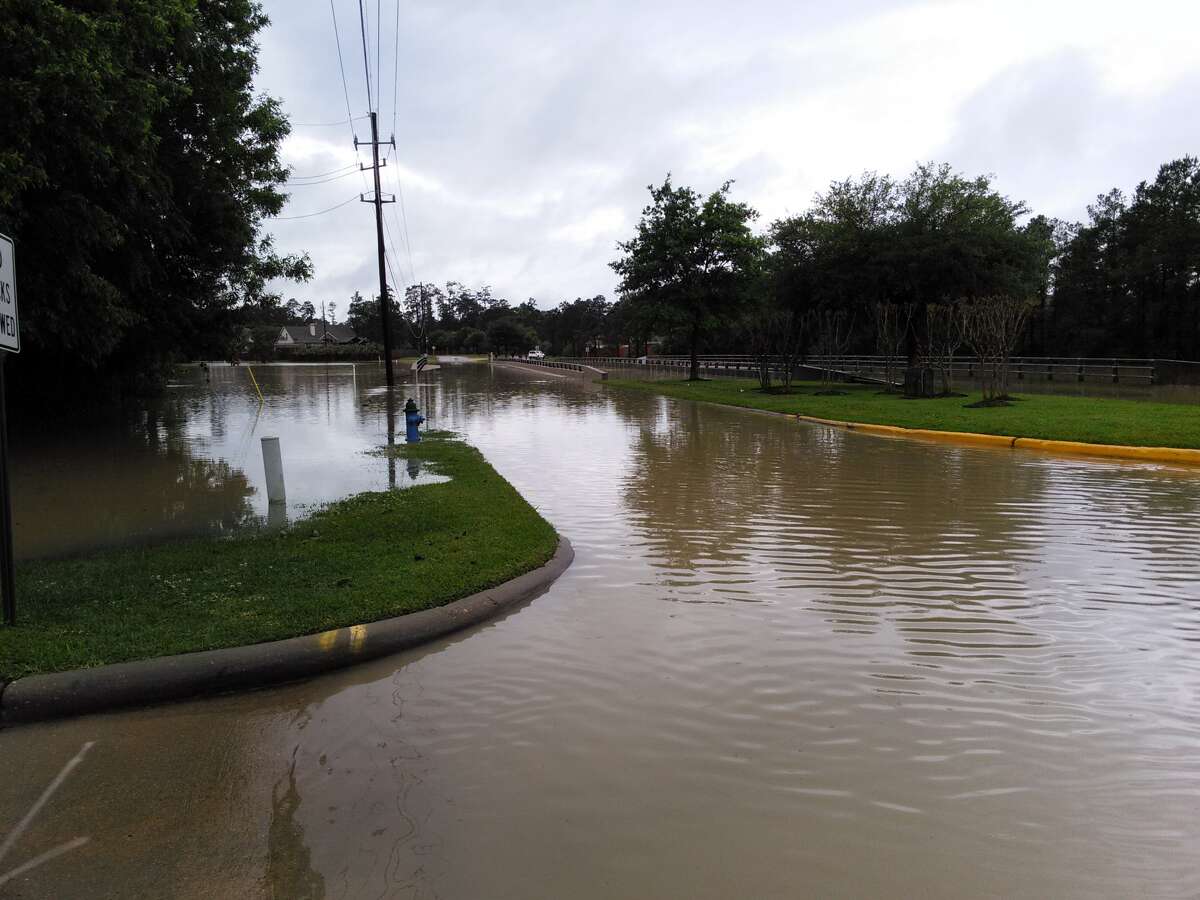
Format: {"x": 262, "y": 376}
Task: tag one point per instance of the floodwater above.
{"x": 788, "y": 661}
{"x": 191, "y": 462}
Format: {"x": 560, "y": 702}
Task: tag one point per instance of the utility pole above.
{"x": 384, "y": 310}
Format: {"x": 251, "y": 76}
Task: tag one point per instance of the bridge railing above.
{"x": 1115, "y": 370}
{"x": 729, "y": 365}
{"x": 569, "y": 365}
{"x": 1021, "y": 368}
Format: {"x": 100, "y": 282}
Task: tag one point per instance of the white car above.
{"x": 536, "y": 354}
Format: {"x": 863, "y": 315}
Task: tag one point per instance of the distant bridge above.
{"x": 874, "y": 369}
{"x": 731, "y": 366}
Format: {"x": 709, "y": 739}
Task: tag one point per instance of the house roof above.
{"x": 338, "y": 334}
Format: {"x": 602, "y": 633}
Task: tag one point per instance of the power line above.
{"x": 388, "y": 261}
{"x": 394, "y": 243}
{"x": 362, "y": 21}
{"x": 396, "y": 69}
{"x": 319, "y": 212}
{"x": 404, "y": 219}
{"x": 342, "y": 68}
{"x": 344, "y": 168}
{"x": 328, "y": 124}
{"x": 320, "y": 180}
{"x": 378, "y": 35}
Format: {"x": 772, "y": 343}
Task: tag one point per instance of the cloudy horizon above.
{"x": 526, "y": 136}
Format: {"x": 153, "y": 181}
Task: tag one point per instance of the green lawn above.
{"x": 1092, "y": 420}
{"x": 368, "y": 557}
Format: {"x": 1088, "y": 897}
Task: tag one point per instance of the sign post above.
{"x": 10, "y": 342}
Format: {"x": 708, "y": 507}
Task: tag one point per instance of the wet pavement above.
{"x": 788, "y": 661}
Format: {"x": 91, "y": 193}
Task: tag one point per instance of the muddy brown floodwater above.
{"x": 788, "y": 661}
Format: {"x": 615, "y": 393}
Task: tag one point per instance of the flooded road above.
{"x": 788, "y": 661}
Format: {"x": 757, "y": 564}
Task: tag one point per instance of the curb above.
{"x": 144, "y": 682}
{"x": 1008, "y": 442}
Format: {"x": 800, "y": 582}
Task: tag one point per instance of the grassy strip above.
{"x": 1058, "y": 418}
{"x": 368, "y": 557}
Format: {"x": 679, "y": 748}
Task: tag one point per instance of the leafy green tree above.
{"x": 1127, "y": 283}
{"x": 363, "y": 316}
{"x": 691, "y": 261}
{"x": 472, "y": 340}
{"x": 508, "y": 335}
{"x": 137, "y": 163}
{"x": 873, "y": 249}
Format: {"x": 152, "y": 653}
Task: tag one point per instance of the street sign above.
{"x": 421, "y": 363}
{"x": 10, "y": 331}
{"x": 10, "y": 342}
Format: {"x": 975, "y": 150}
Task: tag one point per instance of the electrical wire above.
{"x": 378, "y": 74}
{"x": 342, "y": 68}
{"x": 328, "y": 124}
{"x": 403, "y": 219}
{"x": 362, "y": 21}
{"x": 391, "y": 239}
{"x": 396, "y": 70}
{"x": 321, "y": 180}
{"x": 319, "y": 212}
{"x": 345, "y": 168}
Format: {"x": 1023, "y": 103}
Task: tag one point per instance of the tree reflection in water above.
{"x": 127, "y": 479}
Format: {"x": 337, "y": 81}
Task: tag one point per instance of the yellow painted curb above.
{"x": 1116, "y": 451}
{"x": 1077, "y": 448}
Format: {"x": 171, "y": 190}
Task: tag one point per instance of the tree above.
{"x": 579, "y": 323}
{"x": 691, "y": 261}
{"x": 892, "y": 323}
{"x": 363, "y": 316}
{"x": 834, "y": 329}
{"x": 137, "y": 164}
{"x": 992, "y": 327}
{"x": 509, "y": 336}
{"x": 419, "y": 302}
{"x": 870, "y": 243}
{"x": 472, "y": 340}
{"x": 943, "y": 336}
{"x": 1128, "y": 281}
{"x": 775, "y": 335}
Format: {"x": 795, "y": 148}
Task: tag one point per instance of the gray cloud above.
{"x": 527, "y": 131}
{"x": 1056, "y": 137}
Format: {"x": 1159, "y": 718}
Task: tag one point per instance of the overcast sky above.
{"x": 528, "y": 130}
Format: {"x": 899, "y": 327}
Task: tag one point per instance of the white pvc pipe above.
{"x": 273, "y": 464}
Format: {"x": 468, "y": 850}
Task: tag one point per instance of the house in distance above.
{"x": 315, "y": 334}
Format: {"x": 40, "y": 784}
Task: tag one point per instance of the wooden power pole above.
{"x": 384, "y": 305}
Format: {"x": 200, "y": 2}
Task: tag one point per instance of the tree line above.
{"x": 456, "y": 318}
{"x": 918, "y": 268}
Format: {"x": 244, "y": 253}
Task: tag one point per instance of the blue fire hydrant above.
{"x": 412, "y": 422}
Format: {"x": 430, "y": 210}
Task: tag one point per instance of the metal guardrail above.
{"x": 1021, "y": 368}
{"x": 728, "y": 365}
{"x": 555, "y": 364}
{"x": 1115, "y": 370}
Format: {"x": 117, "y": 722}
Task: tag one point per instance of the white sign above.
{"x": 10, "y": 333}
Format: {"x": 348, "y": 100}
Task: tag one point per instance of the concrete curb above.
{"x": 1075, "y": 448}
{"x": 143, "y": 682}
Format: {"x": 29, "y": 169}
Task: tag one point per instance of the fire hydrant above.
{"x": 412, "y": 421}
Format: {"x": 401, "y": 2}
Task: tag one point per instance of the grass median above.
{"x": 1092, "y": 420}
{"x": 368, "y": 557}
